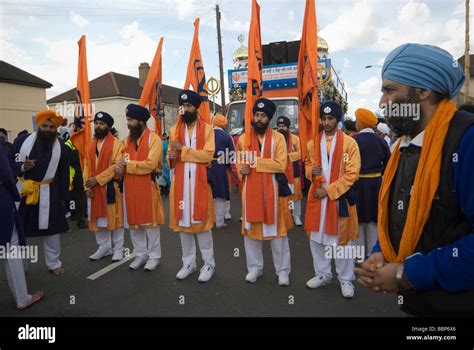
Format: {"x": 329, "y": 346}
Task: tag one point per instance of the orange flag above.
{"x": 81, "y": 134}
{"x": 152, "y": 90}
{"x": 255, "y": 67}
{"x": 196, "y": 77}
{"x": 308, "y": 117}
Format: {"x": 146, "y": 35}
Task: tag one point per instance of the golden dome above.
{"x": 322, "y": 45}
{"x": 242, "y": 53}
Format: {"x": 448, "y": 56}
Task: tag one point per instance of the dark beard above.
{"x": 189, "y": 117}
{"x": 135, "y": 132}
{"x": 404, "y": 124}
{"x": 45, "y": 140}
{"x": 285, "y": 133}
{"x": 101, "y": 134}
{"x": 260, "y": 128}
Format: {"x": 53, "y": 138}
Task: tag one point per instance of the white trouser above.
{"x": 220, "y": 205}
{"x": 227, "y": 207}
{"x": 16, "y": 275}
{"x": 322, "y": 265}
{"x": 206, "y": 246}
{"x": 52, "y": 250}
{"x": 104, "y": 239}
{"x": 146, "y": 242}
{"x": 297, "y": 209}
{"x": 367, "y": 237}
{"x": 280, "y": 253}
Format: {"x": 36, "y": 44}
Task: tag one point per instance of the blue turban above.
{"x": 424, "y": 66}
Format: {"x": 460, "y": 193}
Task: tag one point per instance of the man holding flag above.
{"x": 264, "y": 211}
{"x": 142, "y": 205}
{"x": 104, "y": 201}
{"x": 191, "y": 203}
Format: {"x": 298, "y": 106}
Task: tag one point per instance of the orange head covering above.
{"x": 48, "y": 114}
{"x": 366, "y": 118}
{"x": 220, "y": 121}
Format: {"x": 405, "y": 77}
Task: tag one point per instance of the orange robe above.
{"x": 348, "y": 226}
{"x": 295, "y": 156}
{"x": 146, "y": 168}
{"x": 194, "y": 156}
{"x": 114, "y": 210}
{"x": 264, "y": 165}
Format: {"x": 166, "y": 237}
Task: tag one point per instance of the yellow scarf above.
{"x": 424, "y": 188}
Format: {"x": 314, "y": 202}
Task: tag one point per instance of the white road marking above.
{"x": 109, "y": 268}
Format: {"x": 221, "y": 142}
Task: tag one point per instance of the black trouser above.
{"x": 79, "y": 198}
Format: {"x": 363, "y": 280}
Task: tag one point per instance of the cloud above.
{"x": 414, "y": 12}
{"x": 355, "y": 27}
{"x": 59, "y": 64}
{"x": 78, "y": 20}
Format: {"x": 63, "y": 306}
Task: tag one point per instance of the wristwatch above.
{"x": 401, "y": 279}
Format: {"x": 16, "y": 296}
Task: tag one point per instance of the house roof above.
{"x": 115, "y": 84}
{"x": 14, "y": 75}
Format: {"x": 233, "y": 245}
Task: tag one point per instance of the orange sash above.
{"x": 312, "y": 222}
{"x": 259, "y": 191}
{"x": 138, "y": 188}
{"x": 201, "y": 187}
{"x": 424, "y": 187}
{"x": 99, "y": 201}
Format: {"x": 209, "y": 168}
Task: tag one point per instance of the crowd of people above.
{"x": 400, "y": 191}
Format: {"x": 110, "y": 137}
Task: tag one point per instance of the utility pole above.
{"x": 467, "y": 59}
{"x": 221, "y": 65}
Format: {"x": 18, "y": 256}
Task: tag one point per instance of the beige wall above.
{"x": 116, "y": 106}
{"x": 18, "y": 103}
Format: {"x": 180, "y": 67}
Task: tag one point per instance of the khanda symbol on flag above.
{"x": 81, "y": 136}
{"x": 308, "y": 116}
{"x": 196, "y": 77}
{"x": 255, "y": 68}
{"x": 201, "y": 80}
{"x": 152, "y": 90}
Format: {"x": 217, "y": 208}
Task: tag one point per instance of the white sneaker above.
{"x": 318, "y": 281}
{"x": 118, "y": 255}
{"x": 152, "y": 264}
{"x": 347, "y": 290}
{"x": 297, "y": 221}
{"x": 283, "y": 279}
{"x": 186, "y": 271}
{"x": 135, "y": 265}
{"x": 206, "y": 274}
{"x": 227, "y": 217}
{"x": 100, "y": 253}
{"x": 252, "y": 276}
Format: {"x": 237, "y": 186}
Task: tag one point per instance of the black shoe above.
{"x": 81, "y": 224}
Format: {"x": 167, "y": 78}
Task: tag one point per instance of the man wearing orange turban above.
{"x": 365, "y": 118}
{"x": 42, "y": 116}
{"x": 43, "y": 171}
{"x": 374, "y": 154}
{"x": 220, "y": 169}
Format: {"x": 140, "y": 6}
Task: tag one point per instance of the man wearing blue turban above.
{"x": 425, "y": 247}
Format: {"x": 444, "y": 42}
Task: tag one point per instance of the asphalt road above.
{"x": 123, "y": 292}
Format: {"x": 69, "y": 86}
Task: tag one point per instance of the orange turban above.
{"x": 48, "y": 114}
{"x": 366, "y": 118}
{"x": 220, "y": 121}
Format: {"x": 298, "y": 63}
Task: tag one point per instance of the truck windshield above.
{"x": 288, "y": 108}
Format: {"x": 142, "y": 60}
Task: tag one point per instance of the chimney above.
{"x": 143, "y": 70}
